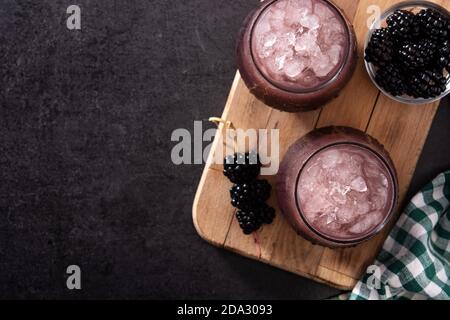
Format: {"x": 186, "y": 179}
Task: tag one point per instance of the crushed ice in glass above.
{"x": 344, "y": 190}
{"x": 299, "y": 41}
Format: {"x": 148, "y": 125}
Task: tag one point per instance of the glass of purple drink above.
{"x": 337, "y": 186}
{"x": 295, "y": 55}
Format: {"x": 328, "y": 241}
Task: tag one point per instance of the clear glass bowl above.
{"x": 414, "y": 6}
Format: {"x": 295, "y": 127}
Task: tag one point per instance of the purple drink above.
{"x": 344, "y": 191}
{"x": 300, "y": 44}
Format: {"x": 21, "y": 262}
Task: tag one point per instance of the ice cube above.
{"x": 317, "y": 203}
{"x": 338, "y": 198}
{"x": 272, "y": 64}
{"x": 322, "y": 11}
{"x": 327, "y": 223}
{"x": 266, "y": 46}
{"x": 331, "y": 32}
{"x": 311, "y": 22}
{"x": 334, "y": 227}
{"x": 277, "y": 13}
{"x": 371, "y": 170}
{"x": 293, "y": 68}
{"x": 384, "y": 180}
{"x": 359, "y": 227}
{"x": 330, "y": 217}
{"x": 356, "y": 162}
{"x": 263, "y": 27}
{"x": 299, "y": 30}
{"x": 336, "y": 25}
{"x": 280, "y": 5}
{"x": 321, "y": 64}
{"x": 368, "y": 222}
{"x": 306, "y": 4}
{"x": 327, "y": 218}
{"x": 295, "y": 10}
{"x": 266, "y": 52}
{"x": 347, "y": 213}
{"x": 284, "y": 47}
{"x": 379, "y": 199}
{"x": 294, "y": 16}
{"x": 356, "y": 159}
{"x": 306, "y": 44}
{"x": 270, "y": 40}
{"x": 331, "y": 158}
{"x": 280, "y": 60}
{"x": 359, "y": 184}
{"x": 311, "y": 177}
{"x": 301, "y": 44}
{"x": 291, "y": 39}
{"x": 362, "y": 207}
{"x": 287, "y": 40}
{"x": 276, "y": 17}
{"x": 376, "y": 203}
{"x": 334, "y": 53}
{"x": 338, "y": 192}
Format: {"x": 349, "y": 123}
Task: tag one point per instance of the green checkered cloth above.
{"x": 415, "y": 260}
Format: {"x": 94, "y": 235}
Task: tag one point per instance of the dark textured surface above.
{"x": 86, "y": 176}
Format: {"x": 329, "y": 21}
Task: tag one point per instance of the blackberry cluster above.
{"x": 253, "y": 219}
{"x": 380, "y": 50}
{"x": 433, "y": 24}
{"x": 248, "y": 194}
{"x": 391, "y": 79}
{"x": 402, "y": 25}
{"x": 244, "y": 196}
{"x": 427, "y": 84}
{"x": 242, "y": 167}
{"x": 412, "y": 54}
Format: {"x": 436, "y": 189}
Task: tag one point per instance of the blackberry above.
{"x": 248, "y": 221}
{"x": 402, "y": 26}
{"x": 247, "y": 195}
{"x": 252, "y": 219}
{"x": 433, "y": 24}
{"x": 242, "y": 167}
{"x": 444, "y": 56}
{"x": 427, "y": 84}
{"x": 418, "y": 54}
{"x": 266, "y": 213}
{"x": 380, "y": 49}
{"x": 391, "y": 79}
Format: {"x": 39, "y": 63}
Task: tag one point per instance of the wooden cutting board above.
{"x": 401, "y": 128}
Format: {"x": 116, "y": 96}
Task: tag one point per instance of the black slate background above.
{"x": 86, "y": 175}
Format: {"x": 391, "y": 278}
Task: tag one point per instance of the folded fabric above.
{"x": 414, "y": 262}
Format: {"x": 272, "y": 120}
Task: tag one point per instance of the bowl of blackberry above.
{"x": 407, "y": 52}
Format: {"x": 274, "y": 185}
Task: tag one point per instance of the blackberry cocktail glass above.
{"x": 295, "y": 55}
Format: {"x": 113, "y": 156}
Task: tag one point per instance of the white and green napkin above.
{"x": 415, "y": 260}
